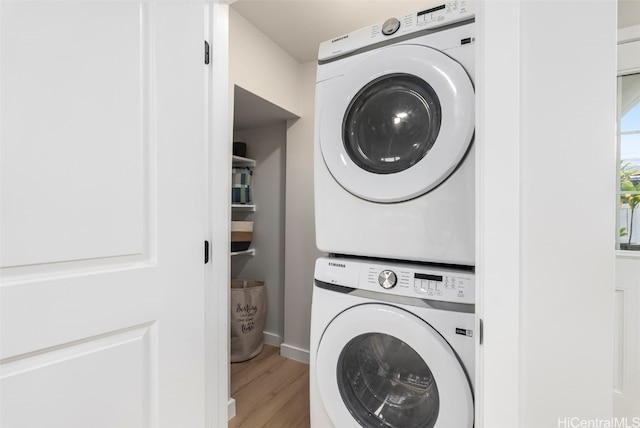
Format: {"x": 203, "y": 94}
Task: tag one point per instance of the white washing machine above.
{"x": 394, "y": 127}
{"x": 392, "y": 345}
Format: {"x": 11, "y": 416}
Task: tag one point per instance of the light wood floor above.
{"x": 270, "y": 392}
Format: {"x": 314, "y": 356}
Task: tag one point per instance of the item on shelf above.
{"x": 241, "y": 235}
{"x": 241, "y": 185}
{"x": 248, "y": 310}
{"x": 240, "y": 149}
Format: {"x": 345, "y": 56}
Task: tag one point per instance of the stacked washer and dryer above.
{"x": 393, "y": 313}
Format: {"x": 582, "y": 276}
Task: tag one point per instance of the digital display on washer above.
{"x": 428, "y": 277}
{"x": 433, "y": 9}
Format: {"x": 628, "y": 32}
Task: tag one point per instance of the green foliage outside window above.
{"x": 629, "y": 184}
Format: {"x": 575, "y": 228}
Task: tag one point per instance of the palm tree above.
{"x": 628, "y": 175}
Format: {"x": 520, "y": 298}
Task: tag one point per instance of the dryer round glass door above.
{"x": 397, "y": 123}
{"x": 381, "y": 366}
{"x": 391, "y": 124}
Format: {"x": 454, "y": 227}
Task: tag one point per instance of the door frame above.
{"x": 219, "y": 125}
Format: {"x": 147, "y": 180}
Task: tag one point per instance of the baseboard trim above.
{"x": 272, "y": 339}
{"x": 231, "y": 408}
{"x": 294, "y": 353}
{"x": 287, "y": 351}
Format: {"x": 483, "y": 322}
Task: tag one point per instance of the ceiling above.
{"x": 299, "y": 26}
{"x": 628, "y": 13}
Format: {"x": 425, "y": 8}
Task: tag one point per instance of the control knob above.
{"x": 387, "y": 279}
{"x": 390, "y": 26}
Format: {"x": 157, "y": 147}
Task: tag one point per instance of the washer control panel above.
{"x": 402, "y": 279}
{"x": 440, "y": 285}
{"x": 443, "y": 14}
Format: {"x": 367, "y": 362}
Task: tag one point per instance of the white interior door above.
{"x": 102, "y": 215}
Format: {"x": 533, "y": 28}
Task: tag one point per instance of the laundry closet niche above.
{"x": 262, "y": 126}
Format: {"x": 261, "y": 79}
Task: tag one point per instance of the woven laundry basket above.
{"x": 248, "y": 311}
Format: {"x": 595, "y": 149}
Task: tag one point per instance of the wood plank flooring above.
{"x": 271, "y": 391}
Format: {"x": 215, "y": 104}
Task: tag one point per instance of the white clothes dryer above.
{"x": 394, "y": 127}
{"x": 392, "y": 345}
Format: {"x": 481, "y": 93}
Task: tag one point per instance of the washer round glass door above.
{"x": 381, "y": 366}
{"x": 397, "y": 123}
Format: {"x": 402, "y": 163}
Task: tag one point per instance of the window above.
{"x": 629, "y": 162}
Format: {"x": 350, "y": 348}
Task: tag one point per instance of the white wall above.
{"x": 626, "y": 378}
{"x": 300, "y": 251}
{"x": 263, "y": 68}
{"x": 267, "y": 146}
{"x": 260, "y": 66}
{"x": 547, "y": 78}
{"x": 567, "y": 299}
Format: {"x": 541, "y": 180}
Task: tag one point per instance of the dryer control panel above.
{"x": 434, "y": 17}
{"x": 401, "y": 279}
